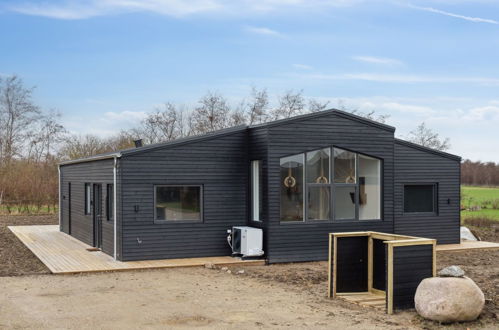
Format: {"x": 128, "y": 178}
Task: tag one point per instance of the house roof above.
{"x": 189, "y": 139}
{"x": 323, "y": 113}
{"x": 426, "y": 149}
{"x": 197, "y": 138}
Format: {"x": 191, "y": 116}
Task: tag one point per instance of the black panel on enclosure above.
{"x": 351, "y": 269}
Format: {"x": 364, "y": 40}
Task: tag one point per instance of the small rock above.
{"x": 225, "y": 268}
{"x": 229, "y": 271}
{"x": 449, "y": 299}
{"x": 209, "y": 265}
{"x": 240, "y": 271}
{"x": 451, "y": 271}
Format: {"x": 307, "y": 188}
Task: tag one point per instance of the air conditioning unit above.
{"x": 246, "y": 241}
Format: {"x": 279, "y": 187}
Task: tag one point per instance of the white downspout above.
{"x": 115, "y": 218}
{"x": 59, "y": 194}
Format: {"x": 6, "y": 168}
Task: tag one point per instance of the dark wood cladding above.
{"x": 306, "y": 241}
{"x": 411, "y": 265}
{"x": 82, "y": 226}
{"x": 379, "y": 264}
{"x": 219, "y": 164}
{"x": 351, "y": 269}
{"x": 415, "y": 165}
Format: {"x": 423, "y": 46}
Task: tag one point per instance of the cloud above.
{"x": 377, "y": 60}
{"x": 467, "y": 18}
{"x": 77, "y": 9}
{"x": 394, "y": 78}
{"x": 82, "y": 9}
{"x": 302, "y": 66}
{"x": 263, "y": 31}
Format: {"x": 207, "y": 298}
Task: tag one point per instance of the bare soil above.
{"x": 15, "y": 257}
{"x": 277, "y": 296}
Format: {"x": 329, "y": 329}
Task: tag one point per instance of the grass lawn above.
{"x": 482, "y": 197}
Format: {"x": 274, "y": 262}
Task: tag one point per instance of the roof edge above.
{"x": 426, "y": 149}
{"x": 186, "y": 140}
{"x": 91, "y": 158}
{"x": 327, "y": 112}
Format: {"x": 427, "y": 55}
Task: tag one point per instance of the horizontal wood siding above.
{"x": 100, "y": 171}
{"x": 307, "y": 241}
{"x": 411, "y": 265}
{"x": 218, "y": 164}
{"x": 413, "y": 165}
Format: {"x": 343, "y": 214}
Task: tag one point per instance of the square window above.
{"x": 176, "y": 203}
{"x": 420, "y": 198}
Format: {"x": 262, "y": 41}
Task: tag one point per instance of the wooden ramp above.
{"x": 467, "y": 245}
{"x": 63, "y": 254}
{"x": 366, "y": 299}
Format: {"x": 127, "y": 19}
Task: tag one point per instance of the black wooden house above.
{"x": 298, "y": 179}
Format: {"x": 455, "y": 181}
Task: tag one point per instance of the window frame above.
{"x": 109, "y": 202}
{"x": 304, "y": 174}
{"x": 307, "y": 186}
{"x": 332, "y": 184}
{"x": 201, "y": 204}
{"x": 435, "y": 198}
{"x": 256, "y": 192}
{"x": 87, "y": 191}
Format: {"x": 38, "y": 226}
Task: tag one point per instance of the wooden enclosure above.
{"x": 369, "y": 267}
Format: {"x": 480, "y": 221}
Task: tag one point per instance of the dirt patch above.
{"x": 15, "y": 257}
{"x": 278, "y": 296}
{"x": 183, "y": 298}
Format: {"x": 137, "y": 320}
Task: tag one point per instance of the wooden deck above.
{"x": 366, "y": 299}
{"x": 63, "y": 254}
{"x": 467, "y": 245}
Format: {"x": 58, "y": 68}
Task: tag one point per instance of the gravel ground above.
{"x": 304, "y": 283}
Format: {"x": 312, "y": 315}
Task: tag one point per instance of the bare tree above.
{"x": 48, "y": 133}
{"x": 290, "y": 104}
{"x": 77, "y": 146}
{"x": 164, "y": 124}
{"x": 371, "y": 115}
{"x": 211, "y": 115}
{"x": 257, "y": 106}
{"x": 426, "y": 137}
{"x": 17, "y": 116}
{"x": 316, "y": 106}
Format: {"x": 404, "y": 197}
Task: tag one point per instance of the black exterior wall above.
{"x": 414, "y": 164}
{"x": 74, "y": 221}
{"x": 306, "y": 241}
{"x": 219, "y": 163}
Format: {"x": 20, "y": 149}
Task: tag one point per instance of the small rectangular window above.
{"x": 420, "y": 198}
{"x": 174, "y": 203}
{"x": 292, "y": 181}
{"x": 109, "y": 202}
{"x": 88, "y": 198}
{"x": 255, "y": 190}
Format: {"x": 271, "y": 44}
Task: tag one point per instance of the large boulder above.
{"x": 449, "y": 299}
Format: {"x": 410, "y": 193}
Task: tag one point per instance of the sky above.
{"x": 104, "y": 64}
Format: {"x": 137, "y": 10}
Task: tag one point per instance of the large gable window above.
{"x": 177, "y": 203}
{"x": 420, "y": 198}
{"x": 330, "y": 184}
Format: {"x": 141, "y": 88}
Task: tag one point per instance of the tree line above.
{"x": 34, "y": 140}
{"x": 480, "y": 173}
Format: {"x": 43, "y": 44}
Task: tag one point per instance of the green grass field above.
{"x": 484, "y": 198}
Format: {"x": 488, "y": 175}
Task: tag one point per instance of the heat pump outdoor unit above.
{"x": 246, "y": 241}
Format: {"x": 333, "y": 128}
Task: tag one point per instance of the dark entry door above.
{"x": 97, "y": 215}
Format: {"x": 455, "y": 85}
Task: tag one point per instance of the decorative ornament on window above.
{"x": 290, "y": 181}
{"x": 322, "y": 178}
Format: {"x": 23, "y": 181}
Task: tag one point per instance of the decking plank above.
{"x": 63, "y": 254}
